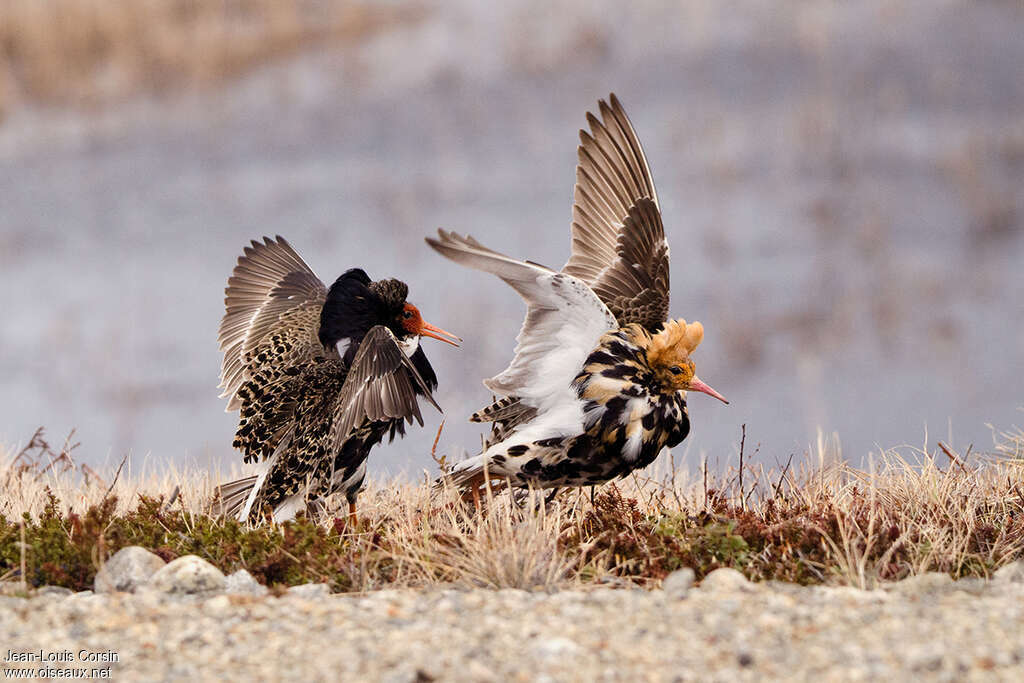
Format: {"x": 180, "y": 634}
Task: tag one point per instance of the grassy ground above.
{"x": 810, "y": 522}
{"x": 92, "y": 51}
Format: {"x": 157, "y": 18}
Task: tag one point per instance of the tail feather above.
{"x": 507, "y": 409}
{"x": 229, "y": 498}
{"x": 463, "y": 476}
{"x": 504, "y": 414}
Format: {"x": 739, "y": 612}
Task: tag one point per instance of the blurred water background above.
{"x": 841, "y": 186}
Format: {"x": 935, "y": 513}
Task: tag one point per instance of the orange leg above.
{"x": 343, "y": 524}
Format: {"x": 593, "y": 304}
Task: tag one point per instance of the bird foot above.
{"x": 341, "y": 524}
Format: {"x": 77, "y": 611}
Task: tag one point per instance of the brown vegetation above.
{"x": 90, "y": 51}
{"x": 958, "y": 513}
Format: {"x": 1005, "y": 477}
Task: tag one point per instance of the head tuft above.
{"x": 669, "y": 352}
{"x": 392, "y": 292}
{"x": 678, "y": 337}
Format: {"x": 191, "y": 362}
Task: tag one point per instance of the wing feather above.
{"x": 270, "y": 292}
{"x": 564, "y": 321}
{"x": 380, "y": 386}
{"x": 618, "y": 240}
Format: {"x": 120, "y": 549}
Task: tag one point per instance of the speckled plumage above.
{"x": 597, "y": 385}
{"x": 623, "y": 401}
{"x": 308, "y": 413}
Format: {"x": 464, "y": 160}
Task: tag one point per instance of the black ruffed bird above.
{"x": 319, "y": 377}
{"x": 598, "y": 384}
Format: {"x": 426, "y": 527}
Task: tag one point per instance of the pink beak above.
{"x": 697, "y": 385}
{"x": 428, "y": 330}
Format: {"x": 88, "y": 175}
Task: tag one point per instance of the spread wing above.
{"x": 380, "y": 386}
{"x": 564, "y": 321}
{"x": 618, "y": 241}
{"x": 273, "y": 302}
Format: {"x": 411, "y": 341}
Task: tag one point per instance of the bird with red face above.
{"x": 319, "y": 377}
{"x": 598, "y": 384}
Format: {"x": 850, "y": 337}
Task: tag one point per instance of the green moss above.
{"x": 783, "y": 540}
{"x": 66, "y": 549}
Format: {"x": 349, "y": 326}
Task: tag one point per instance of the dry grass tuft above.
{"x": 89, "y": 51}
{"x": 820, "y": 521}
{"x": 502, "y": 546}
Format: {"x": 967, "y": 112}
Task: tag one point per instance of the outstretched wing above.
{"x": 618, "y": 241}
{"x": 381, "y": 385}
{"x": 273, "y": 302}
{"x": 564, "y": 320}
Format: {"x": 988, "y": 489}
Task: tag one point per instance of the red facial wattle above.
{"x": 414, "y": 323}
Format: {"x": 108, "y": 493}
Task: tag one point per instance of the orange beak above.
{"x": 428, "y": 330}
{"x": 697, "y": 385}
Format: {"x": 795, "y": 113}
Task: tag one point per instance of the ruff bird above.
{"x": 319, "y": 377}
{"x": 598, "y": 384}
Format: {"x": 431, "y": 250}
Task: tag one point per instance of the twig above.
{"x": 442, "y": 462}
{"x": 949, "y": 454}
{"x": 116, "y": 475}
{"x": 753, "y": 487}
{"x": 782, "y": 477}
{"x": 68, "y": 446}
{"x": 91, "y": 474}
{"x": 675, "y": 491}
{"x": 704, "y": 466}
{"x": 35, "y": 442}
{"x": 743, "y": 441}
{"x": 24, "y": 564}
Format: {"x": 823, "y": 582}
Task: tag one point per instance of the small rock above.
{"x": 678, "y": 583}
{"x": 128, "y": 569}
{"x": 310, "y": 590}
{"x": 554, "y": 648}
{"x": 726, "y": 579}
{"x": 1010, "y": 573}
{"x": 929, "y": 582}
{"x": 245, "y": 583}
{"x": 53, "y": 591}
{"x": 188, "y": 575}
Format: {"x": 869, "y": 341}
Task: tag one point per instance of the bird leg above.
{"x": 550, "y": 497}
{"x": 342, "y": 524}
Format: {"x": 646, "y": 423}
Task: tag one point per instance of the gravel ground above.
{"x": 925, "y": 628}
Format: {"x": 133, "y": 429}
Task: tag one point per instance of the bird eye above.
{"x": 407, "y": 314}
{"x": 675, "y": 370}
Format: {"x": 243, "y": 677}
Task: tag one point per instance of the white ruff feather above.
{"x": 409, "y": 345}
{"x": 291, "y": 506}
{"x": 264, "y": 469}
